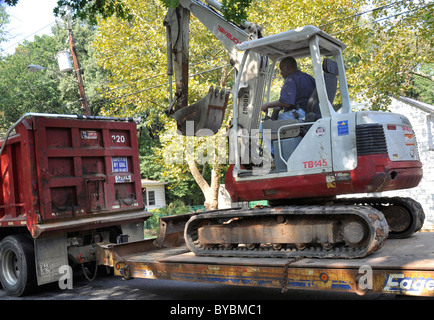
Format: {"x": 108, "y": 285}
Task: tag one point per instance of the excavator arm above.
{"x": 208, "y": 113}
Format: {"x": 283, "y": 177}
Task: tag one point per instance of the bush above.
{"x": 177, "y": 207}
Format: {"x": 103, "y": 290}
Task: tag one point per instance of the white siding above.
{"x": 157, "y": 188}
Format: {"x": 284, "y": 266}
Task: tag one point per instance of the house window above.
{"x": 151, "y": 198}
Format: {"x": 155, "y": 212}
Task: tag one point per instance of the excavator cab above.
{"x": 325, "y": 54}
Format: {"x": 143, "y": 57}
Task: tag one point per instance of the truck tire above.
{"x": 17, "y": 265}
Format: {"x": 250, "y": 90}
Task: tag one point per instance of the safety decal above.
{"x": 343, "y": 128}
{"x": 331, "y": 181}
{"x": 320, "y": 131}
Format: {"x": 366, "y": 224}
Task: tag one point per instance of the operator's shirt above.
{"x": 297, "y": 89}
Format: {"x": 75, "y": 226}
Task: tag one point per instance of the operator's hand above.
{"x": 266, "y": 106}
{"x": 273, "y": 104}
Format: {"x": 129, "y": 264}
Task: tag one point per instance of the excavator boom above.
{"x": 207, "y": 113}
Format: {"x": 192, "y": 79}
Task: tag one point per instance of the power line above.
{"x": 206, "y": 61}
{"x": 382, "y": 19}
{"x": 156, "y": 86}
{"x": 14, "y": 44}
{"x": 387, "y": 6}
{"x": 346, "y": 30}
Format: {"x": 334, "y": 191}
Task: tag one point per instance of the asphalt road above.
{"x": 165, "y": 299}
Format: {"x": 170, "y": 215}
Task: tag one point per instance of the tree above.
{"x": 393, "y": 43}
{"x": 48, "y": 90}
{"x": 422, "y": 87}
{"x": 22, "y": 91}
{"x": 4, "y": 19}
{"x": 385, "y": 40}
{"x": 389, "y": 38}
{"x": 138, "y": 83}
{"x": 376, "y": 32}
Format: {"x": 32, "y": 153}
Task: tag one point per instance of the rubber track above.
{"x": 414, "y": 207}
{"x": 374, "y": 220}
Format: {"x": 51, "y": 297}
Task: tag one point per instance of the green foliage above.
{"x": 22, "y": 91}
{"x": 89, "y": 10}
{"x": 4, "y": 19}
{"x": 236, "y": 10}
{"x": 422, "y": 86}
{"x": 49, "y": 90}
{"x": 11, "y": 2}
{"x": 176, "y": 207}
{"x": 233, "y": 10}
{"x": 170, "y": 3}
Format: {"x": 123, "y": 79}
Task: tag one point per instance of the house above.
{"x": 153, "y": 194}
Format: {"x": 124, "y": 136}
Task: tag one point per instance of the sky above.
{"x": 27, "y": 19}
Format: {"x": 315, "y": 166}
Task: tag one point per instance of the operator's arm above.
{"x": 273, "y": 104}
{"x": 287, "y": 96}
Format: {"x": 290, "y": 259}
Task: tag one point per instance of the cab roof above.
{"x": 293, "y": 43}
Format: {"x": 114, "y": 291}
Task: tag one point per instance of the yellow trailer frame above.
{"x": 402, "y": 266}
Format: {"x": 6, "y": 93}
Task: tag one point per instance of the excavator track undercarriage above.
{"x": 404, "y": 216}
{"x": 337, "y": 231}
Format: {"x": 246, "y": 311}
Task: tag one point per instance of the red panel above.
{"x": 12, "y": 192}
{"x": 374, "y": 173}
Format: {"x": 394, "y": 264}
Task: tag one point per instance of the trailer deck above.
{"x": 402, "y": 266}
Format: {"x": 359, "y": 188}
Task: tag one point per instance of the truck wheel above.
{"x": 17, "y": 265}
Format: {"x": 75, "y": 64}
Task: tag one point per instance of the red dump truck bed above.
{"x": 66, "y": 182}
{"x": 65, "y": 174}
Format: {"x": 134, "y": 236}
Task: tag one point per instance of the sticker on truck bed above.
{"x": 119, "y": 164}
{"x": 122, "y": 179}
{"x": 89, "y": 135}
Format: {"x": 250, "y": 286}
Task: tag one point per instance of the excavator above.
{"x": 333, "y": 151}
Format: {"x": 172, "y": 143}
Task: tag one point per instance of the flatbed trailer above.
{"x": 402, "y": 266}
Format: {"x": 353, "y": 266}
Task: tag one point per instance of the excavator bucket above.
{"x": 207, "y": 113}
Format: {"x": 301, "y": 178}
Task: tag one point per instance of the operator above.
{"x": 296, "y": 90}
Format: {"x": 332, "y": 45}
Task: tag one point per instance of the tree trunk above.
{"x": 210, "y": 191}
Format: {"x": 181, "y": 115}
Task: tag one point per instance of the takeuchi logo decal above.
{"x": 229, "y": 35}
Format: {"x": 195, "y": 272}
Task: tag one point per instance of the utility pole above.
{"x": 83, "y": 99}
{"x": 67, "y": 19}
